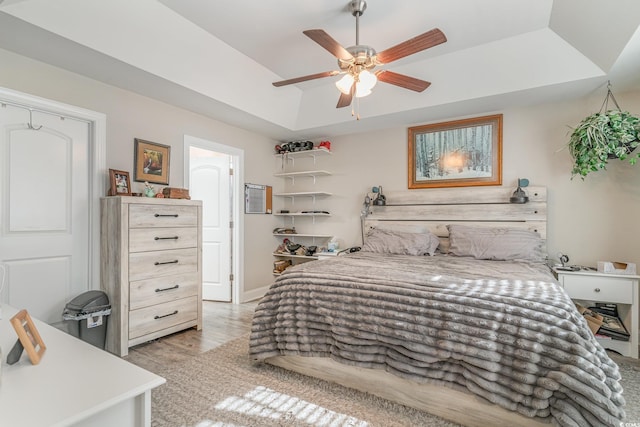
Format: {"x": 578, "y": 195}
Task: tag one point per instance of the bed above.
{"x": 489, "y": 341}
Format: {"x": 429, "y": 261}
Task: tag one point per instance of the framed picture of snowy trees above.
{"x": 460, "y": 153}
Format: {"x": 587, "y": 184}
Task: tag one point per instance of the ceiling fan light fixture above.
{"x": 355, "y": 62}
{"x": 368, "y": 79}
{"x": 362, "y": 93}
{"x": 345, "y": 83}
{"x": 365, "y": 82}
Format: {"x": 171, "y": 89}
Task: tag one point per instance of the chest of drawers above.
{"x": 151, "y": 268}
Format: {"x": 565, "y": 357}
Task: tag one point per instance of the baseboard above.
{"x": 254, "y": 294}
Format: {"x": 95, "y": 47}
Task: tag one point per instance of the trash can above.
{"x": 85, "y": 317}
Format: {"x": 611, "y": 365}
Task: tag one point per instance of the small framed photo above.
{"x": 120, "y": 183}
{"x": 151, "y": 162}
{"x": 28, "y": 336}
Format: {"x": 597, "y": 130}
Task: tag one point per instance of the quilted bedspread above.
{"x": 503, "y": 330}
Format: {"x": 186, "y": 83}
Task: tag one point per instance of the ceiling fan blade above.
{"x": 346, "y": 98}
{"x": 411, "y": 46}
{"x": 327, "y": 42}
{"x": 401, "y": 80}
{"x": 305, "y": 78}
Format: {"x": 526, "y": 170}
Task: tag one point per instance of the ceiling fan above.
{"x": 356, "y": 62}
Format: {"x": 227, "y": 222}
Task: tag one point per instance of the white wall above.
{"x": 132, "y": 116}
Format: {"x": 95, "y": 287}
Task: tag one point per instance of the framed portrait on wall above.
{"x": 460, "y": 153}
{"x": 151, "y": 162}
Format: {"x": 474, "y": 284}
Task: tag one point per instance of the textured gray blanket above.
{"x": 503, "y": 330}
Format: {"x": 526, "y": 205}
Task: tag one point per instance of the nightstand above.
{"x": 589, "y": 287}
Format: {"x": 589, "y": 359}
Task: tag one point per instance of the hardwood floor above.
{"x": 222, "y": 322}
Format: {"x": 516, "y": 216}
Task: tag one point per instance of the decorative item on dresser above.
{"x": 176, "y": 193}
{"x": 151, "y": 268}
{"x": 120, "y": 184}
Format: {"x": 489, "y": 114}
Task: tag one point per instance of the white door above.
{"x": 209, "y": 181}
{"x": 45, "y": 212}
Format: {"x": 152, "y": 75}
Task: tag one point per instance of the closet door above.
{"x": 44, "y": 201}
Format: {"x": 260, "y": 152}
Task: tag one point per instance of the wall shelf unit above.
{"x": 294, "y": 235}
{"x": 303, "y": 214}
{"x": 313, "y": 154}
{"x": 294, "y": 256}
{"x": 304, "y": 194}
{"x": 300, "y": 191}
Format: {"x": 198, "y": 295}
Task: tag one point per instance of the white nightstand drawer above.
{"x": 600, "y": 288}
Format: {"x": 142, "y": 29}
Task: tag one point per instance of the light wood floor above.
{"x": 221, "y": 322}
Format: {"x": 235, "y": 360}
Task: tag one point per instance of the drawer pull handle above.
{"x": 163, "y": 215}
{"x": 165, "y": 315}
{"x": 175, "y": 261}
{"x": 597, "y": 289}
{"x": 166, "y": 238}
{"x": 167, "y": 289}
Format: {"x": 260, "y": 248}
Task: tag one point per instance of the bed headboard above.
{"x": 478, "y": 206}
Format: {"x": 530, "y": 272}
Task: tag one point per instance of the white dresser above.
{"x": 588, "y": 287}
{"x": 151, "y": 268}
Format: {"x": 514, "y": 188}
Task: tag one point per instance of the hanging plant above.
{"x": 612, "y": 134}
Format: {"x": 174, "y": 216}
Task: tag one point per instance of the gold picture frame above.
{"x": 29, "y": 336}
{"x": 460, "y": 153}
{"x": 120, "y": 183}
{"x": 151, "y": 162}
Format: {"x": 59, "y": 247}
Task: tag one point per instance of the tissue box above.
{"x": 616, "y": 267}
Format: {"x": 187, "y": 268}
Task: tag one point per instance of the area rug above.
{"x": 224, "y": 388}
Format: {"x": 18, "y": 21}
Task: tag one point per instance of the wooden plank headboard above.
{"x": 478, "y": 206}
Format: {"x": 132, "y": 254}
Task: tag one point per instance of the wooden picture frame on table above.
{"x": 28, "y": 336}
{"x": 460, "y": 153}
{"x": 151, "y": 162}
{"x": 120, "y": 183}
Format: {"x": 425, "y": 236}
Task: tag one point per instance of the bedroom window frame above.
{"x": 458, "y": 133}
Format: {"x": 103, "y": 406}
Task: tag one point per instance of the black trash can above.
{"x": 86, "y": 316}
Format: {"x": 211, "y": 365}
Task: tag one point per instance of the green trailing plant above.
{"x": 601, "y": 137}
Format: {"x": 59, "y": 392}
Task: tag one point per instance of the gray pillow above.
{"x": 397, "y": 242}
{"x": 495, "y": 243}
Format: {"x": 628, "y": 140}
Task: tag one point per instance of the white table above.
{"x": 75, "y": 384}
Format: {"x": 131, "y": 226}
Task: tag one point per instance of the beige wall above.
{"x": 589, "y": 220}
{"x": 132, "y": 116}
